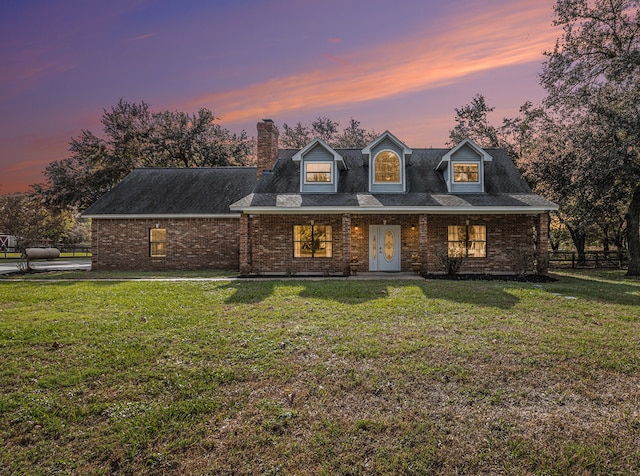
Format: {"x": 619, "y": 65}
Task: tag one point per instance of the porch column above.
{"x": 346, "y": 243}
{"x": 542, "y": 243}
{"x": 245, "y": 244}
{"x": 422, "y": 242}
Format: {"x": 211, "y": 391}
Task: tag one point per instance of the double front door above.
{"x": 384, "y": 248}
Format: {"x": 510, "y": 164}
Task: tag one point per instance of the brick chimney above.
{"x": 267, "y": 145}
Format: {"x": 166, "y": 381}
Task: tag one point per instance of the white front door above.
{"x": 384, "y": 248}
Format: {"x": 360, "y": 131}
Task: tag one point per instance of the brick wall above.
{"x": 510, "y": 243}
{"x": 266, "y": 243}
{"x": 542, "y": 243}
{"x": 271, "y": 245}
{"x": 196, "y": 243}
{"x": 244, "y": 239}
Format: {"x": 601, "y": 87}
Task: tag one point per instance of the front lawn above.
{"x": 320, "y": 377}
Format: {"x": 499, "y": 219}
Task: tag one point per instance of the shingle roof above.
{"x": 426, "y": 188}
{"x": 225, "y": 190}
{"x": 180, "y": 191}
{"x": 368, "y": 201}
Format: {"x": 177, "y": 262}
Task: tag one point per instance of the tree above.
{"x": 25, "y": 217}
{"x": 179, "y": 139}
{"x": 556, "y": 157}
{"x": 472, "y": 122}
{"x": 325, "y": 129}
{"x": 519, "y": 135}
{"x": 553, "y": 166}
{"x": 80, "y": 179}
{"x": 295, "y": 137}
{"x": 134, "y": 136}
{"x": 352, "y": 136}
{"x": 594, "y": 71}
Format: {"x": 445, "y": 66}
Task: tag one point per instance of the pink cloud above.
{"x": 28, "y": 165}
{"x": 141, "y": 37}
{"x": 48, "y": 143}
{"x": 19, "y": 176}
{"x": 30, "y": 154}
{"x": 464, "y": 45}
{"x": 334, "y": 40}
{"x": 334, "y": 59}
{"x": 25, "y": 70}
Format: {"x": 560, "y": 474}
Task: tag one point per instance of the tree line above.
{"x": 133, "y": 136}
{"x": 579, "y": 148}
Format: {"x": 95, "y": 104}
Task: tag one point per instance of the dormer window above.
{"x": 463, "y": 167}
{"x": 387, "y": 167}
{"x": 468, "y": 173}
{"x": 388, "y": 158}
{"x": 318, "y": 172}
{"x": 320, "y": 167}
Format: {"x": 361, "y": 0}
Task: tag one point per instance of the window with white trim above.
{"x": 318, "y": 172}
{"x": 467, "y": 172}
{"x": 386, "y": 167}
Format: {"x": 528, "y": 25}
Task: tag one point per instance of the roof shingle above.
{"x": 179, "y": 191}
{"x": 426, "y": 188}
{"x": 225, "y": 190}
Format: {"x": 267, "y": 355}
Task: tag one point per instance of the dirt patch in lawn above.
{"x": 527, "y": 278}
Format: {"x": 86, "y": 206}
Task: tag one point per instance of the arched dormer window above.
{"x": 386, "y": 167}
{"x": 387, "y": 158}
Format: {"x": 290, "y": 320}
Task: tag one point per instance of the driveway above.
{"x": 55, "y": 265}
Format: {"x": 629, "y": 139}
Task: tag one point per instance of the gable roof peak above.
{"x": 484, "y": 155}
{"x": 387, "y": 135}
{"x": 469, "y": 142}
{"x": 317, "y": 142}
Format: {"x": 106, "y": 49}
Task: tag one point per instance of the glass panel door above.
{"x": 384, "y": 248}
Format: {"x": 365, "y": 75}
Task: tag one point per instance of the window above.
{"x": 312, "y": 241}
{"x": 468, "y": 241}
{"x": 317, "y": 172}
{"x": 158, "y": 242}
{"x": 466, "y": 173}
{"x": 387, "y": 167}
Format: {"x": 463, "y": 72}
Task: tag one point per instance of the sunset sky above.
{"x": 401, "y": 65}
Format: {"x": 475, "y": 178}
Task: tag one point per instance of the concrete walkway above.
{"x": 85, "y": 265}
{"x": 362, "y": 276}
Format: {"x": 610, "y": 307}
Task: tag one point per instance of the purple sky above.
{"x": 401, "y": 65}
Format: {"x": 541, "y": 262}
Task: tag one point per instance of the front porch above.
{"x": 352, "y": 244}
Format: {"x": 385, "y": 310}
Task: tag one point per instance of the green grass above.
{"x": 320, "y": 377}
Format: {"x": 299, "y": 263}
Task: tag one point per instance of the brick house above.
{"x": 328, "y": 211}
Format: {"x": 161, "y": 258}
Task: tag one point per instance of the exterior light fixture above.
{"x": 357, "y": 227}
